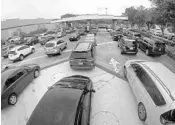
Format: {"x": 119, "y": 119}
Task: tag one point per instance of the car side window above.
{"x": 14, "y": 78}
{"x": 137, "y": 68}
{"x": 58, "y": 42}
{"x": 151, "y": 88}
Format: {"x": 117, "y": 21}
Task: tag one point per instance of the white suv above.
{"x": 153, "y": 85}
{"x": 19, "y": 52}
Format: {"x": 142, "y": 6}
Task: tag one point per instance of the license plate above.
{"x": 131, "y": 48}
{"x": 80, "y": 63}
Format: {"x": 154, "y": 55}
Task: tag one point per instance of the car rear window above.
{"x": 80, "y": 55}
{"x": 158, "y": 44}
{"x": 50, "y": 45}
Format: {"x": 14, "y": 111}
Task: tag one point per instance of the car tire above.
{"x": 36, "y": 73}
{"x": 65, "y": 46}
{"x": 124, "y": 71}
{"x": 12, "y": 99}
{"x": 33, "y": 50}
{"x": 49, "y": 55}
{"x": 142, "y": 112}
{"x": 21, "y": 57}
{"x": 60, "y": 51}
{"x": 122, "y": 52}
{"x": 147, "y": 52}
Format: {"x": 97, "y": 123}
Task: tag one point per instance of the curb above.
{"x": 53, "y": 64}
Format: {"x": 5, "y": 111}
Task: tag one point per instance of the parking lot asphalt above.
{"x": 112, "y": 96}
{"x": 107, "y": 76}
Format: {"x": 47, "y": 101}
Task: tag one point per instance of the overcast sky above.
{"x": 28, "y": 9}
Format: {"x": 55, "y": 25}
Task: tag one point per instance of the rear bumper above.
{"x": 130, "y": 51}
{"x": 83, "y": 66}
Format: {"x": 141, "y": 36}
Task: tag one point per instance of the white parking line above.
{"x": 104, "y": 43}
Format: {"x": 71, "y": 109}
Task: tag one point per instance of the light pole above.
{"x": 106, "y": 10}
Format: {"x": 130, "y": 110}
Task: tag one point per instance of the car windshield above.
{"x": 50, "y": 45}
{"x": 159, "y": 44}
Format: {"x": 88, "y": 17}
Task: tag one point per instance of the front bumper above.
{"x": 51, "y": 52}
{"x": 14, "y": 57}
{"x": 85, "y": 65}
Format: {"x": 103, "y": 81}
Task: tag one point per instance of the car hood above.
{"x": 57, "y": 107}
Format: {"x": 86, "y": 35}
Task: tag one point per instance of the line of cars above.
{"x": 130, "y": 41}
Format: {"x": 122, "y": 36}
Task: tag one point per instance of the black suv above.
{"x": 67, "y": 102}
{"x": 128, "y": 45}
{"x": 152, "y": 46}
{"x": 75, "y": 37}
{"x": 83, "y": 56}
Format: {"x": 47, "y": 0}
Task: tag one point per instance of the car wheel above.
{"x": 21, "y": 57}
{"x": 36, "y": 73}
{"x": 142, "y": 112}
{"x": 65, "y": 46}
{"x": 147, "y": 52}
{"x": 122, "y": 52}
{"x": 33, "y": 50}
{"x": 124, "y": 71}
{"x": 60, "y": 51}
{"x": 49, "y": 55}
{"x": 12, "y": 100}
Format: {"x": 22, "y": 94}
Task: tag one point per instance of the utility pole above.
{"x": 106, "y": 10}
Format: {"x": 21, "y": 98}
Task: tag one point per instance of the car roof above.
{"x": 16, "y": 47}
{"x": 54, "y": 41}
{"x": 164, "y": 74}
{"x": 57, "y": 107}
{"x": 83, "y": 46}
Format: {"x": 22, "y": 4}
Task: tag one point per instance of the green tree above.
{"x": 68, "y": 15}
{"x": 130, "y": 12}
{"x": 167, "y": 8}
{"x": 140, "y": 16}
{"x": 150, "y": 20}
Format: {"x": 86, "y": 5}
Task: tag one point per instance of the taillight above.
{"x": 168, "y": 117}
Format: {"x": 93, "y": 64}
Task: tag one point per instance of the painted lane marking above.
{"x": 104, "y": 43}
{"x": 116, "y": 65}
